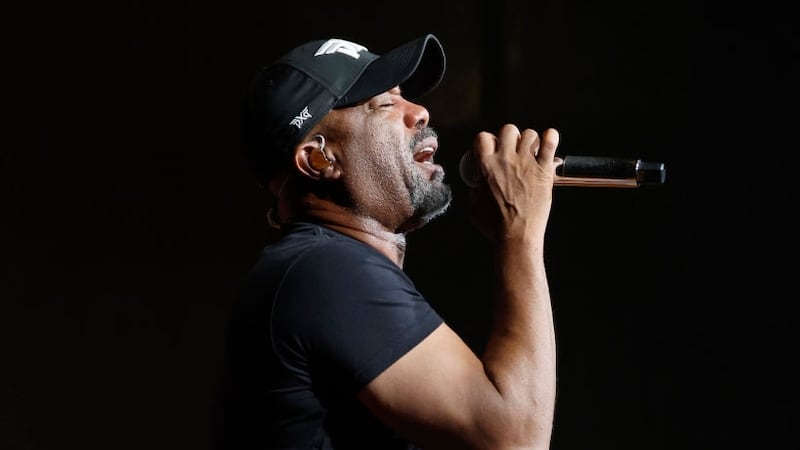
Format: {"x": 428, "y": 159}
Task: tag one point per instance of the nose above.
{"x": 417, "y": 116}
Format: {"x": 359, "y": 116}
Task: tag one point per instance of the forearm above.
{"x": 520, "y": 357}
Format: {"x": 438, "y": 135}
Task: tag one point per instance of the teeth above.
{"x": 424, "y": 155}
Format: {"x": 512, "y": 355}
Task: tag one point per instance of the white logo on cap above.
{"x": 300, "y": 118}
{"x": 348, "y": 48}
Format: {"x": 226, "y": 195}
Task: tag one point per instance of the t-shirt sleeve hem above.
{"x": 386, "y": 357}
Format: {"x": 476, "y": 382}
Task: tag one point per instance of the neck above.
{"x": 390, "y": 244}
{"x": 344, "y": 220}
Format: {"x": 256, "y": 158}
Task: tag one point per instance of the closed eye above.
{"x": 376, "y": 106}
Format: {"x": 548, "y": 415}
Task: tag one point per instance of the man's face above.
{"x": 387, "y": 164}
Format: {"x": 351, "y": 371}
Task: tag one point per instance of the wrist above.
{"x": 526, "y": 243}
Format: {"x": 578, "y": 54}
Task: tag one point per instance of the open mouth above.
{"x": 424, "y": 155}
{"x": 424, "y": 152}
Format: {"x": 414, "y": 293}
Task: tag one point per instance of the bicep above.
{"x": 436, "y": 394}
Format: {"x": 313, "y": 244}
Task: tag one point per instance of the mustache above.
{"x": 422, "y": 134}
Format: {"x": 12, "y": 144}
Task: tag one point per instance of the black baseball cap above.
{"x": 288, "y": 97}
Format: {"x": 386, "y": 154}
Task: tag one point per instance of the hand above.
{"x": 514, "y": 195}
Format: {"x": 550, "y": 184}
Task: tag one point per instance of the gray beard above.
{"x": 429, "y": 199}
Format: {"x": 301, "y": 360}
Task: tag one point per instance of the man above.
{"x": 331, "y": 345}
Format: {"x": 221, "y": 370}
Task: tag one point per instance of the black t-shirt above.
{"x": 320, "y": 316}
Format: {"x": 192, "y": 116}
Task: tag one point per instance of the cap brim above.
{"x": 417, "y": 67}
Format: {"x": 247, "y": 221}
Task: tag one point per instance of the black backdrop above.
{"x": 129, "y": 214}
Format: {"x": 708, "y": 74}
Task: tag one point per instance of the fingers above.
{"x": 510, "y": 139}
{"x": 548, "y": 145}
{"x": 510, "y": 143}
{"x": 485, "y": 143}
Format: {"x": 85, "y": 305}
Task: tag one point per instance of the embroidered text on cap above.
{"x": 348, "y": 48}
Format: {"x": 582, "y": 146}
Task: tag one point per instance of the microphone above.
{"x": 588, "y": 171}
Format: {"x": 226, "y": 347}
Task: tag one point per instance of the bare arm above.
{"x": 440, "y": 394}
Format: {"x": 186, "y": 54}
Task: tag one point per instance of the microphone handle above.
{"x": 603, "y": 171}
{"x": 589, "y": 171}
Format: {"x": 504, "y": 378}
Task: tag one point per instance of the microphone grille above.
{"x": 468, "y": 170}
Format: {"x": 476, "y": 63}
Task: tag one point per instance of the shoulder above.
{"x": 343, "y": 261}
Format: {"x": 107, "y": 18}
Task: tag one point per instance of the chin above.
{"x": 427, "y": 207}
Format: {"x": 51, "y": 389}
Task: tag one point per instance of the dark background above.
{"x": 129, "y": 215}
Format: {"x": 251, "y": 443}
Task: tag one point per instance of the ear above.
{"x": 313, "y": 160}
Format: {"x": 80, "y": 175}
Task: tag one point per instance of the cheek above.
{"x": 379, "y": 156}
{"x": 381, "y": 150}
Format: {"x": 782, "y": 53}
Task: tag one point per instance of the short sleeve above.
{"x": 347, "y": 310}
